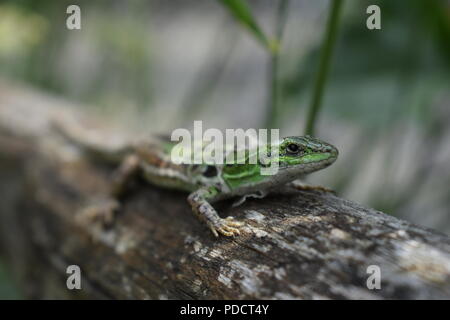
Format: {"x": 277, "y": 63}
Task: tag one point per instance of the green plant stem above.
{"x": 272, "y": 114}
{"x": 325, "y": 57}
{"x": 274, "y": 88}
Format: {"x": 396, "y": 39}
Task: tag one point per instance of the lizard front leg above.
{"x": 205, "y": 212}
{"x": 124, "y": 174}
{"x": 104, "y": 210}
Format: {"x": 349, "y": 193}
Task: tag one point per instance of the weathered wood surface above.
{"x": 297, "y": 244}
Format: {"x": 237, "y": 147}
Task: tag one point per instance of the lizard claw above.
{"x": 227, "y": 227}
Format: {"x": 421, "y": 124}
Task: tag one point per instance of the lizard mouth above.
{"x": 313, "y": 162}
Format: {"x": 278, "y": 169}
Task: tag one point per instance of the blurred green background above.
{"x": 158, "y": 65}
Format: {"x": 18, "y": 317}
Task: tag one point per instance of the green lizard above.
{"x": 206, "y": 183}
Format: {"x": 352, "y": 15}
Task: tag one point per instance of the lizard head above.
{"x": 305, "y": 154}
{"x": 296, "y": 156}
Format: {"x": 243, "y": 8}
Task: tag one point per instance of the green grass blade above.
{"x": 242, "y": 13}
{"x": 322, "y": 74}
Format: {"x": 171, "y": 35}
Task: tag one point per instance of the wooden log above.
{"x": 296, "y": 245}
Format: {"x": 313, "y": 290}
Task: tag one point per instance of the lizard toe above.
{"x": 229, "y": 227}
{"x": 233, "y": 223}
{"x": 228, "y": 231}
{"x": 213, "y": 230}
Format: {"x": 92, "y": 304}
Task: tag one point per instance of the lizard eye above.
{"x": 292, "y": 148}
{"x": 210, "y": 171}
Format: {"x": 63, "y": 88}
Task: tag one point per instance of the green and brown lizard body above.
{"x": 208, "y": 183}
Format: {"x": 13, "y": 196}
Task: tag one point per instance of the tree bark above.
{"x": 296, "y": 244}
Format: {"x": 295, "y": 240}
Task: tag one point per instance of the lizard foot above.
{"x": 102, "y": 213}
{"x": 227, "y": 227}
{"x": 307, "y": 187}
